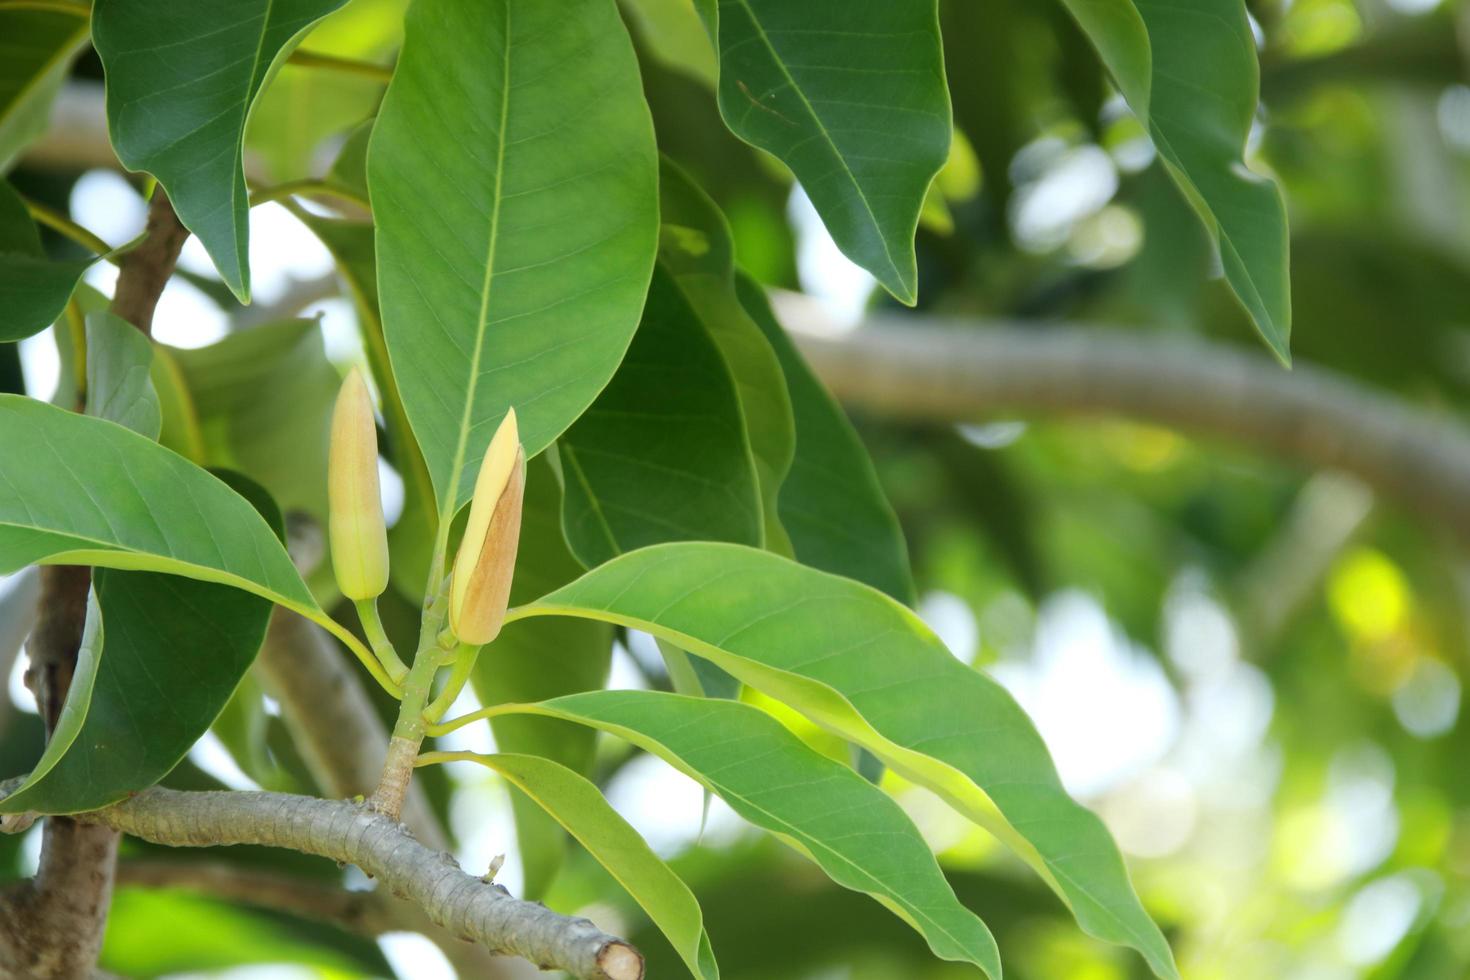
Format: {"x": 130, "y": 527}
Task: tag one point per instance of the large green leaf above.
{"x": 281, "y": 440}
{"x": 94, "y": 493}
{"x": 181, "y": 78}
{"x": 542, "y": 658}
{"x": 695, "y": 247}
{"x": 858, "y": 835}
{"x": 119, "y": 389}
{"x": 577, "y": 805}
{"x": 36, "y": 50}
{"x": 1188, "y": 68}
{"x": 662, "y": 454}
{"x": 867, "y": 668}
{"x": 33, "y": 288}
{"x": 831, "y": 504}
{"x": 514, "y": 186}
{"x": 171, "y": 651}
{"x": 850, "y": 96}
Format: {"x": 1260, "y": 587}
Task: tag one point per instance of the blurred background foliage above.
{"x": 1253, "y": 672}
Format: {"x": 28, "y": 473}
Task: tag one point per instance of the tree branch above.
{"x": 1308, "y": 415}
{"x": 465, "y": 905}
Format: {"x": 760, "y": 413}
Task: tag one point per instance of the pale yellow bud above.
{"x": 355, "y": 508}
{"x": 480, "y": 589}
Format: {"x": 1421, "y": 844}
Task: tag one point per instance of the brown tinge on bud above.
{"x": 355, "y": 525}
{"x": 480, "y": 589}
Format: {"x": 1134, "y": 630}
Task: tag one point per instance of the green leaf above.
{"x": 158, "y": 512}
{"x": 832, "y": 507}
{"x": 119, "y": 389}
{"x": 181, "y": 78}
{"x": 513, "y": 177}
{"x": 865, "y": 667}
{"x": 696, "y": 249}
{"x": 662, "y": 454}
{"x": 1188, "y": 69}
{"x": 36, "y": 51}
{"x": 579, "y": 807}
{"x": 33, "y": 288}
{"x": 172, "y": 650}
{"x": 850, "y": 96}
{"x": 279, "y": 441}
{"x": 542, "y": 658}
{"x": 858, "y": 835}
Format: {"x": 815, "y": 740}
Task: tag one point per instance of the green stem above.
{"x": 383, "y": 649}
{"x": 305, "y": 187}
{"x": 454, "y": 724}
{"x": 57, "y": 221}
{"x": 465, "y": 656}
{"x": 348, "y": 66}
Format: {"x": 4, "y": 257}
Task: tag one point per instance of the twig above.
{"x": 145, "y": 270}
{"x": 464, "y": 904}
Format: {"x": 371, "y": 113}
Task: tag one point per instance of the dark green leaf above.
{"x": 832, "y": 506}
{"x": 36, "y": 50}
{"x": 867, "y": 668}
{"x": 858, "y": 835}
{"x": 851, "y": 97}
{"x": 181, "y": 78}
{"x": 33, "y": 288}
{"x": 119, "y": 389}
{"x": 661, "y": 455}
{"x": 515, "y": 202}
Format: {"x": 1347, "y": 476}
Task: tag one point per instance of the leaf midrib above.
{"x": 456, "y": 469}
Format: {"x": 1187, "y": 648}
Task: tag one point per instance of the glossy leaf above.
{"x": 850, "y": 96}
{"x": 182, "y": 76}
{"x": 33, "y": 288}
{"x": 578, "y": 806}
{"x": 696, "y": 249}
{"x": 159, "y": 513}
{"x": 542, "y": 658}
{"x": 119, "y": 389}
{"x": 279, "y": 441}
{"x": 172, "y": 651}
{"x": 831, "y": 504}
{"x": 515, "y": 203}
{"x": 1189, "y": 71}
{"x": 36, "y": 51}
{"x": 858, "y": 835}
{"x": 865, "y": 667}
{"x": 662, "y": 454}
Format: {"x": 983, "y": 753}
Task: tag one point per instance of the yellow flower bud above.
{"x": 355, "y": 509}
{"x": 480, "y": 589}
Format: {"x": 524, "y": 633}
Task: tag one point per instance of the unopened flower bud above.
{"x": 355, "y": 509}
{"x": 480, "y": 588}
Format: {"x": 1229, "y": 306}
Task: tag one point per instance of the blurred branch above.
{"x": 1309, "y": 415}
{"x": 1425, "y": 50}
{"x": 467, "y": 906}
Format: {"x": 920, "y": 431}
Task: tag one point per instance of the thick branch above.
{"x": 144, "y": 271}
{"x": 345, "y": 832}
{"x": 1308, "y": 414}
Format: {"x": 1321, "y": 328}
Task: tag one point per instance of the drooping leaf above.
{"x": 862, "y": 665}
{"x": 160, "y": 657}
{"x": 1189, "y": 71}
{"x": 858, "y": 835}
{"x": 832, "y": 506}
{"x": 578, "y": 806}
{"x": 411, "y": 540}
{"x": 515, "y": 203}
{"x": 182, "y": 76}
{"x": 33, "y": 288}
{"x": 850, "y": 96}
{"x": 662, "y": 454}
{"x": 542, "y": 658}
{"x": 119, "y": 389}
{"x": 279, "y": 441}
{"x": 36, "y": 51}
{"x": 695, "y": 247}
{"x": 160, "y": 513}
